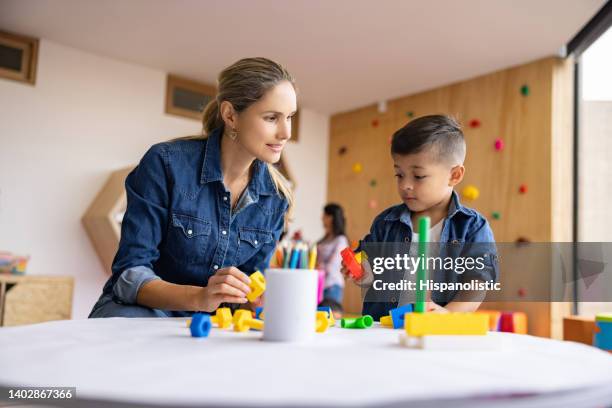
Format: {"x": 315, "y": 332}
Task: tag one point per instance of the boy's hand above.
{"x": 435, "y": 308}
{"x": 345, "y": 273}
{"x": 365, "y": 280}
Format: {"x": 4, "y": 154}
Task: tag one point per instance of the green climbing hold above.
{"x": 525, "y": 90}
{"x": 373, "y": 183}
{"x": 410, "y": 114}
{"x": 496, "y": 215}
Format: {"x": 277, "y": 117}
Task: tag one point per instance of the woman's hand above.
{"x": 227, "y": 285}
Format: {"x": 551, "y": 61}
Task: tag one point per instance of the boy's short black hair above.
{"x": 440, "y": 133}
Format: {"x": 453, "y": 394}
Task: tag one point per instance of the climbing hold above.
{"x": 342, "y": 150}
{"x": 375, "y": 123}
{"x": 470, "y": 192}
{"x": 373, "y": 183}
{"x": 499, "y": 144}
{"x": 522, "y": 292}
{"x": 523, "y": 188}
{"x": 525, "y": 90}
{"x": 496, "y": 215}
{"x": 410, "y": 114}
{"x": 357, "y": 167}
{"x": 373, "y": 204}
{"x": 474, "y": 123}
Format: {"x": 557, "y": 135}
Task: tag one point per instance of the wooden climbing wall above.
{"x": 535, "y": 124}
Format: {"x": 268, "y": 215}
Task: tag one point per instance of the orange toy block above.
{"x": 579, "y": 329}
{"x": 353, "y": 267}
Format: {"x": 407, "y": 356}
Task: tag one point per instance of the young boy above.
{"x": 428, "y": 155}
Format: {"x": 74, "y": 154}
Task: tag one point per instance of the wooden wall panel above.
{"x": 526, "y": 125}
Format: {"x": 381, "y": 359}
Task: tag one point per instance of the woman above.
{"x": 328, "y": 250}
{"x": 205, "y": 212}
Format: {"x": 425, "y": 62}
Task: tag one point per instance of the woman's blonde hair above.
{"x": 242, "y": 84}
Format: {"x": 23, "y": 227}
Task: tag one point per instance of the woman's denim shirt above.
{"x": 179, "y": 225}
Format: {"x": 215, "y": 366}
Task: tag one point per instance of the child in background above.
{"x": 428, "y": 155}
{"x": 328, "y": 256}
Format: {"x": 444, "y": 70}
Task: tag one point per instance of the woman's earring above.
{"x": 233, "y": 134}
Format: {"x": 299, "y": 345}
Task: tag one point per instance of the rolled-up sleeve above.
{"x": 144, "y": 222}
{"x": 129, "y": 282}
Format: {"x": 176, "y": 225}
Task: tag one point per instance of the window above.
{"x": 187, "y": 98}
{"x": 18, "y": 57}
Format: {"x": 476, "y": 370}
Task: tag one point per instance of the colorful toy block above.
{"x": 259, "y": 313}
{"x": 494, "y": 316}
{"x": 243, "y": 321}
{"x": 200, "y": 325}
{"x": 258, "y": 286}
{"x": 580, "y": 329}
{"x": 513, "y": 322}
{"x": 603, "y": 331}
{"x": 452, "y": 343}
{"x": 362, "y": 322}
{"x": 422, "y": 324}
{"x": 330, "y": 314}
{"x": 386, "y": 321}
{"x": 397, "y": 315}
{"x": 353, "y": 267}
{"x": 322, "y": 322}
{"x": 222, "y": 317}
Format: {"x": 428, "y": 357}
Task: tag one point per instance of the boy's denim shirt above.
{"x": 462, "y": 226}
{"x": 179, "y": 226}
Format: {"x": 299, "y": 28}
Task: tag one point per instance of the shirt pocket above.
{"x": 188, "y": 239}
{"x": 250, "y": 241}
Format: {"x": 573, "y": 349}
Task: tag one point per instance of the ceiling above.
{"x": 343, "y": 53}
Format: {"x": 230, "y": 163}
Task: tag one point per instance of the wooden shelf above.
{"x": 35, "y": 299}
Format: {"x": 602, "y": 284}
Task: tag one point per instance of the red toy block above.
{"x": 353, "y": 267}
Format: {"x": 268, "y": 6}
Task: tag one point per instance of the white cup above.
{"x": 290, "y": 305}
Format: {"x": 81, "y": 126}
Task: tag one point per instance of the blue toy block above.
{"x": 603, "y": 335}
{"x": 258, "y": 311}
{"x": 326, "y": 309}
{"x": 200, "y": 325}
{"x": 397, "y": 315}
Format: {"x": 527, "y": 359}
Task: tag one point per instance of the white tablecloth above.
{"x": 155, "y": 361}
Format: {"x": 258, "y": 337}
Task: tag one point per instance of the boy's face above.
{"x": 423, "y": 180}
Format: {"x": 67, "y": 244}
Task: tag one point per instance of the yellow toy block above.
{"x": 494, "y": 316}
{"x": 386, "y": 321}
{"x": 322, "y": 322}
{"x": 258, "y": 286}
{"x": 243, "y": 321}
{"x": 222, "y": 318}
{"x": 422, "y": 324}
{"x": 188, "y": 323}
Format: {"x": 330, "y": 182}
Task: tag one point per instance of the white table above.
{"x": 144, "y": 362}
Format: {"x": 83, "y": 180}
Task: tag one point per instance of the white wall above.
{"x": 86, "y": 116}
{"x": 307, "y": 160}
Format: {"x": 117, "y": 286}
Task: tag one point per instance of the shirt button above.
{"x": 224, "y": 232}
{"x": 224, "y": 198}
{"x": 215, "y": 267}
{"x": 189, "y": 232}
{"x": 255, "y": 242}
